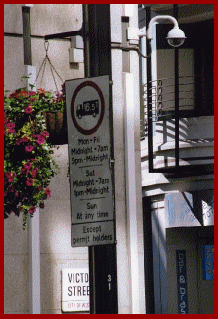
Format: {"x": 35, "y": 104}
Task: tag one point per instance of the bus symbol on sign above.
{"x": 87, "y": 108}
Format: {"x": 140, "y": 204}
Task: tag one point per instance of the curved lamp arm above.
{"x": 159, "y": 18}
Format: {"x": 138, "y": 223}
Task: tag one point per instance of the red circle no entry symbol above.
{"x": 88, "y": 108}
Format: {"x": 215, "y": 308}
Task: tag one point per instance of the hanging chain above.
{"x": 52, "y": 68}
{"x": 46, "y": 45}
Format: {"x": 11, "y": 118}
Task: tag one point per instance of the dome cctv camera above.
{"x": 176, "y": 37}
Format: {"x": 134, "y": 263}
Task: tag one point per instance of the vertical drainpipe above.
{"x": 33, "y": 223}
{"x": 129, "y": 105}
{"x": 130, "y": 173}
{"x": 154, "y": 83}
{"x": 176, "y": 70}
{"x": 151, "y": 96}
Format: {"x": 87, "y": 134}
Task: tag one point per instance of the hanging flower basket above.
{"x": 54, "y": 105}
{"x": 54, "y": 112}
{"x": 28, "y": 162}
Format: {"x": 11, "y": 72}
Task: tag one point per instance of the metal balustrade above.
{"x": 159, "y": 103}
{"x": 162, "y": 97}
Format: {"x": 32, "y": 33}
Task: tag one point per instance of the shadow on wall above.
{"x": 55, "y": 238}
{"x": 155, "y": 260}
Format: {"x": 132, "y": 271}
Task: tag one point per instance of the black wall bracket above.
{"x": 65, "y": 34}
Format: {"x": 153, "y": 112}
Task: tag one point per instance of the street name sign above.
{"x": 75, "y": 290}
{"x": 89, "y": 159}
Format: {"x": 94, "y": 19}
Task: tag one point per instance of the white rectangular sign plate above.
{"x": 75, "y": 290}
{"x": 89, "y": 158}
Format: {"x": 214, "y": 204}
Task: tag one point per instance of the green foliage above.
{"x": 28, "y": 162}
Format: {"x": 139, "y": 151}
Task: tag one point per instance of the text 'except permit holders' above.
{"x": 91, "y": 234}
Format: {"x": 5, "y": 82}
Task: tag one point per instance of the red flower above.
{"x": 32, "y": 99}
{"x": 19, "y": 141}
{"x": 26, "y": 168}
{"x": 40, "y": 140}
{"x": 13, "y": 95}
{"x": 31, "y": 93}
{"x": 22, "y": 93}
{"x": 11, "y": 127}
{"x": 34, "y": 172}
{"x": 45, "y": 134}
{"x": 59, "y": 95}
{"x": 10, "y": 177}
{"x": 27, "y": 165}
{"x": 28, "y": 109}
{"x": 8, "y": 174}
{"x": 29, "y": 182}
{"x": 32, "y": 210}
{"x": 48, "y": 192}
{"x": 25, "y": 171}
{"x": 25, "y": 139}
{"x": 41, "y": 92}
{"x": 29, "y": 148}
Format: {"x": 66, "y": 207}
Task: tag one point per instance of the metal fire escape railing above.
{"x": 159, "y": 100}
{"x": 162, "y": 97}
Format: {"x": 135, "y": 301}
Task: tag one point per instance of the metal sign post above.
{"x": 102, "y": 255}
{"x": 89, "y": 159}
{"x": 97, "y": 62}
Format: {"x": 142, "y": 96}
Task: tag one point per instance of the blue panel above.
{"x": 208, "y": 262}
